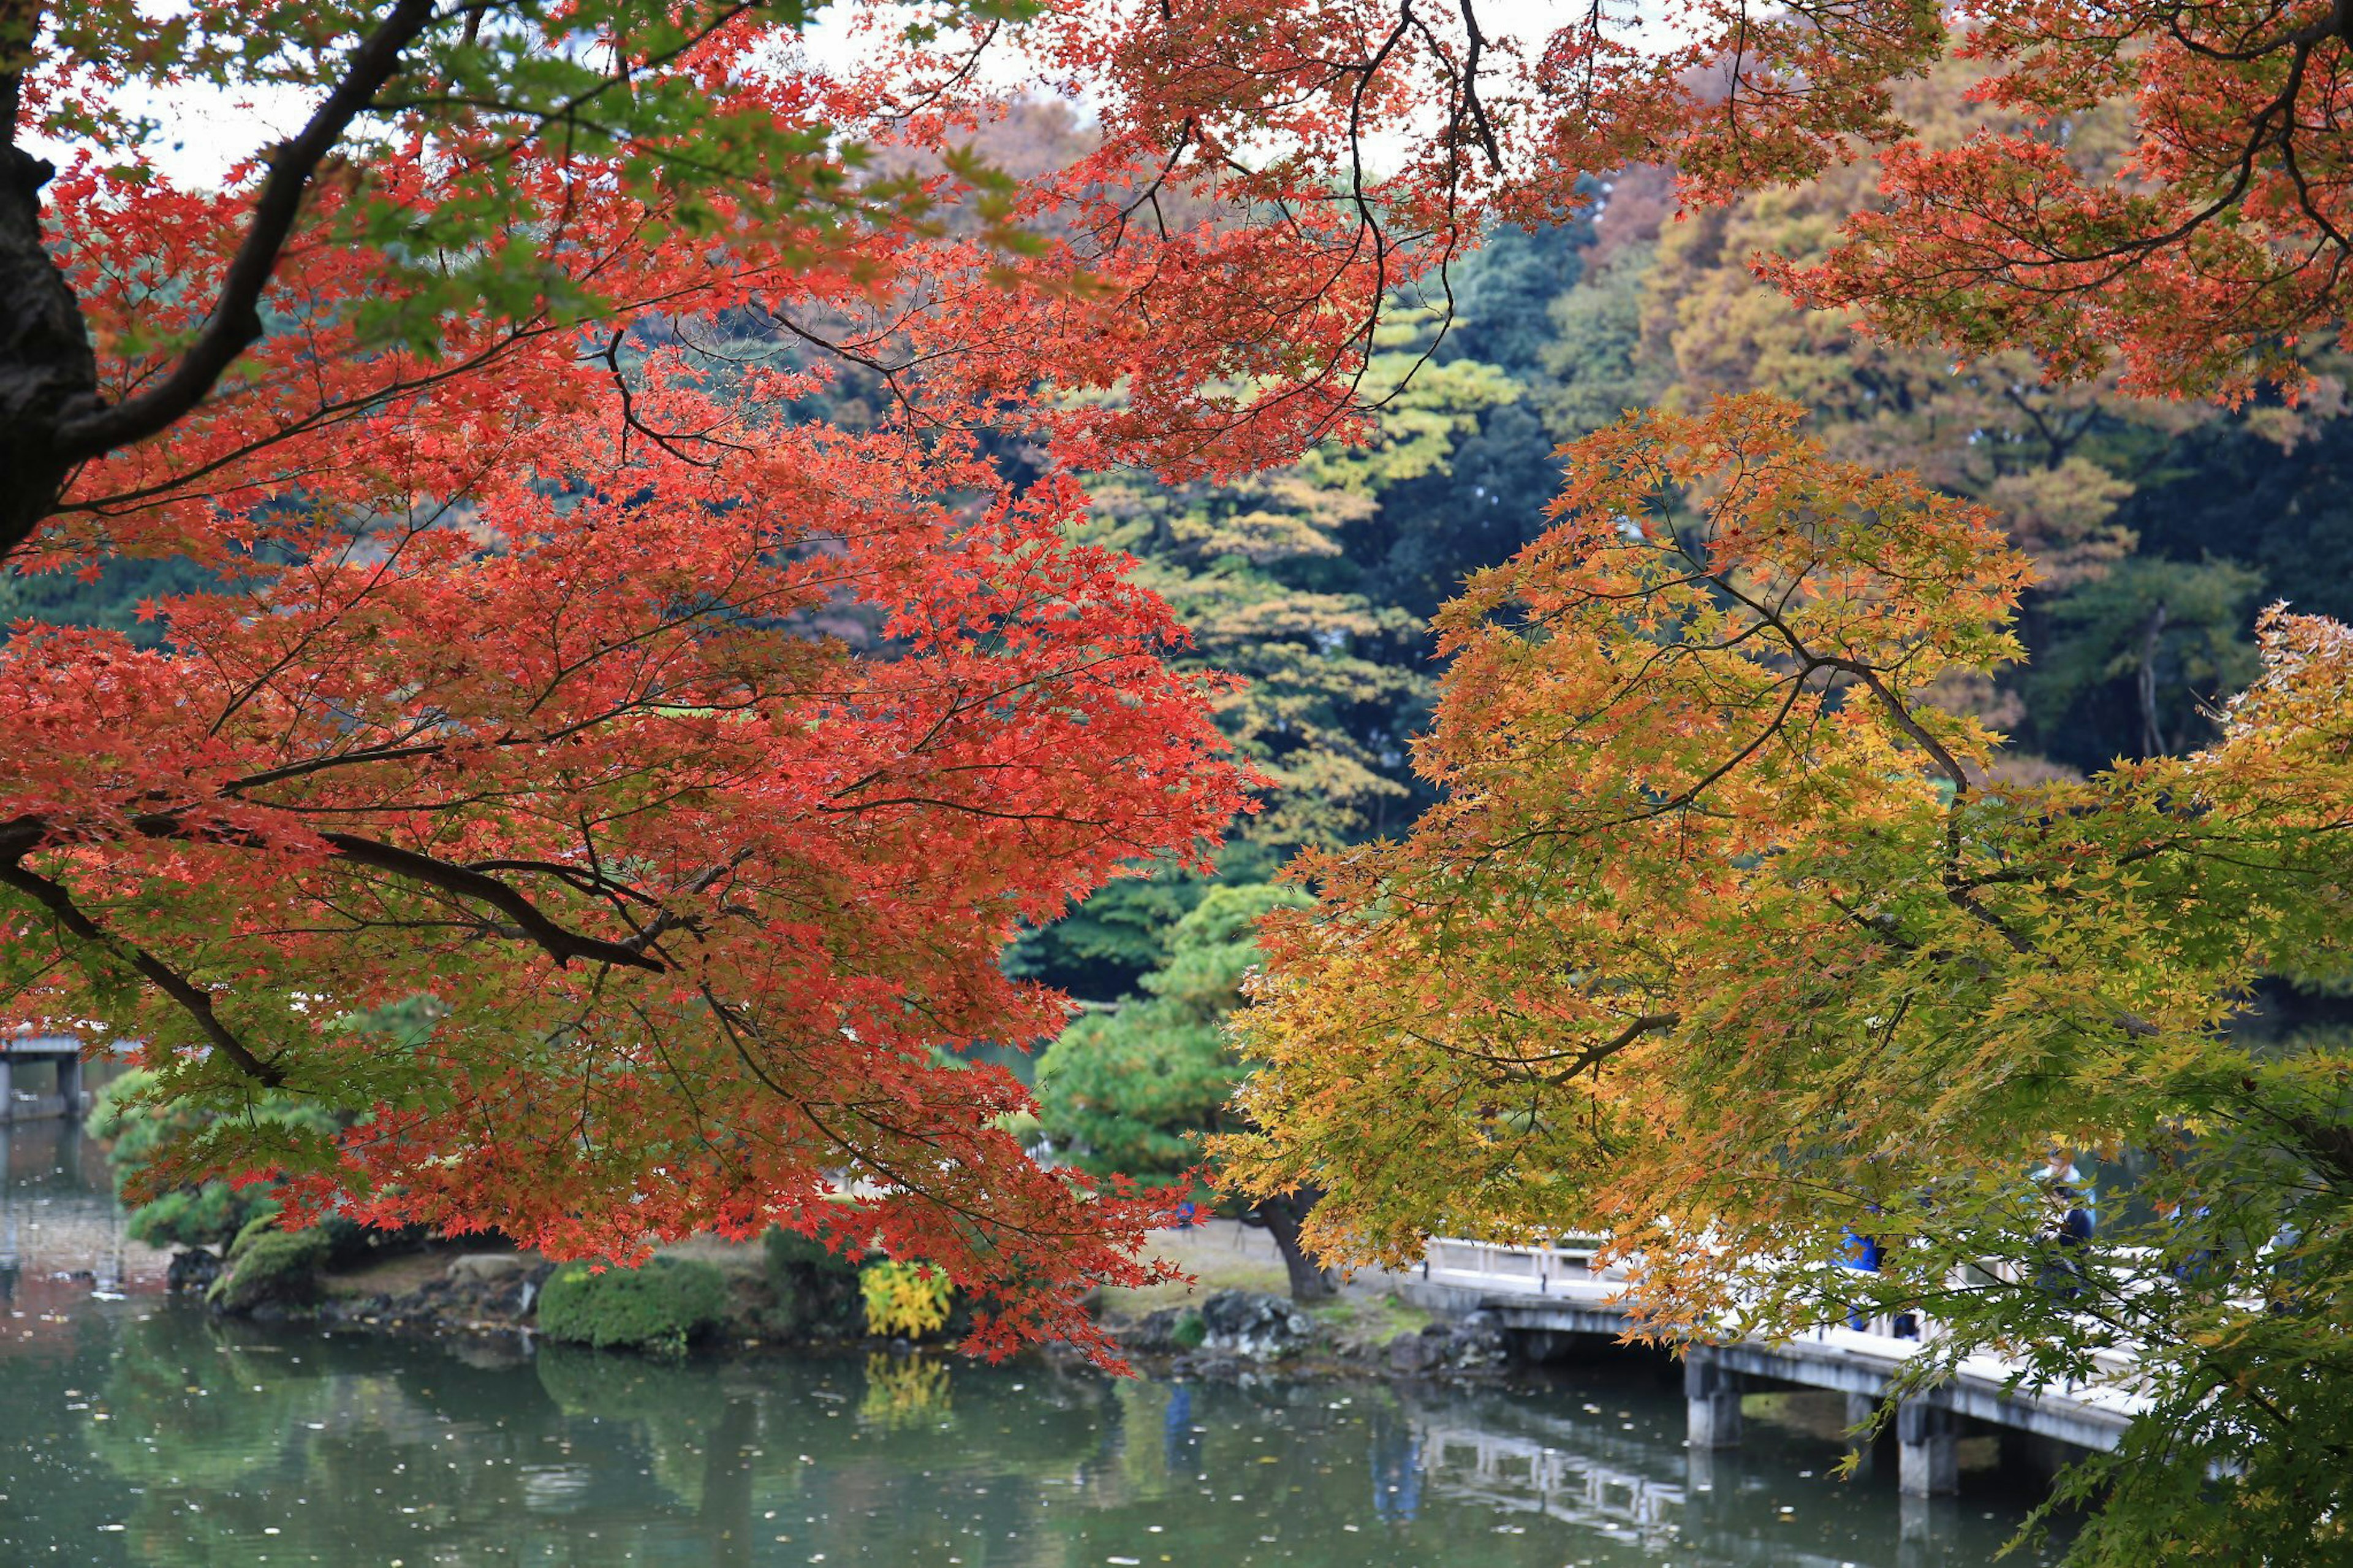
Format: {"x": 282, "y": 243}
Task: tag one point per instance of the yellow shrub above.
{"x": 906, "y": 1299}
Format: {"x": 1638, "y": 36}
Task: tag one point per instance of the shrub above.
{"x": 904, "y": 1299}
{"x": 1189, "y": 1332}
{"x": 252, "y": 1231}
{"x": 267, "y": 1264}
{"x": 660, "y": 1307}
{"x": 204, "y": 1214}
{"x": 351, "y": 1243}
{"x": 815, "y": 1288}
{"x": 139, "y": 1130}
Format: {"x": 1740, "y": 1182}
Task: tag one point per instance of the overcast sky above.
{"x": 207, "y": 130}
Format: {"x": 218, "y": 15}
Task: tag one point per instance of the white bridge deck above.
{"x": 1556, "y": 1290}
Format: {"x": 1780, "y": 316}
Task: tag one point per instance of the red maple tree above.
{"x": 697, "y": 752}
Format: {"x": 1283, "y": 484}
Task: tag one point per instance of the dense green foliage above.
{"x": 813, "y": 1289}
{"x": 129, "y": 1117}
{"x": 206, "y": 1214}
{"x": 1130, "y": 1089}
{"x": 661, "y": 1306}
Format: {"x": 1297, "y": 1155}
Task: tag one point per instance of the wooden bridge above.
{"x": 1556, "y": 1290}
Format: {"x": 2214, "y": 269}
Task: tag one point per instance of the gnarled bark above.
{"x": 48, "y": 373}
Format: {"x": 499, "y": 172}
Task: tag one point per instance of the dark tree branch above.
{"x": 1593, "y": 1056}
{"x": 49, "y": 371}
{"x": 1474, "y": 112}
{"x": 528, "y": 921}
{"x": 629, "y": 420}
{"x": 559, "y": 944}
{"x": 193, "y": 999}
{"x": 235, "y": 324}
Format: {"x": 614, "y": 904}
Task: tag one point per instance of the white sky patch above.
{"x": 203, "y": 132}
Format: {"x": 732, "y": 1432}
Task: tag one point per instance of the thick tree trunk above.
{"x": 48, "y": 372}
{"x": 1282, "y": 1217}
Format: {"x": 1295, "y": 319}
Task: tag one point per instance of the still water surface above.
{"x": 134, "y": 1432}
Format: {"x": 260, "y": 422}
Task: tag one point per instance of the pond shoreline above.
{"x": 147, "y": 1429}
{"x": 1229, "y": 1318}
{"x": 438, "y": 1291}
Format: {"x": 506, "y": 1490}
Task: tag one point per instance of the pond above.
{"x": 136, "y": 1432}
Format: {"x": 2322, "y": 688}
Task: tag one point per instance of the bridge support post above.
{"x": 1861, "y": 1439}
{"x": 8, "y": 1090}
{"x": 1927, "y": 1451}
{"x": 1712, "y": 1394}
{"x": 70, "y": 1086}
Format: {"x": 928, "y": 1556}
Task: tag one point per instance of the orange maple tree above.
{"x": 698, "y": 752}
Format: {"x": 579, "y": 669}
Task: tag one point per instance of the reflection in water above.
{"x": 1180, "y": 1440}
{"x": 905, "y": 1391}
{"x": 161, "y": 1437}
{"x": 1397, "y": 1468}
{"x": 61, "y": 1232}
{"x": 135, "y": 1433}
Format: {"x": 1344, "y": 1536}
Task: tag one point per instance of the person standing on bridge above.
{"x": 2077, "y": 1220}
{"x": 1862, "y": 1254}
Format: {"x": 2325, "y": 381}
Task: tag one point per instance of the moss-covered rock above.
{"x": 663, "y": 1306}
{"x": 814, "y": 1289}
{"x": 267, "y": 1265}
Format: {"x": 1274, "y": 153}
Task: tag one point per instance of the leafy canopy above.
{"x": 1724, "y": 941}
{"x": 699, "y": 759}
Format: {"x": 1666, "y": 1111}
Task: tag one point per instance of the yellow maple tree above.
{"x": 1725, "y": 943}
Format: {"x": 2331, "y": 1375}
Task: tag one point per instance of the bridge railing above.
{"x": 1564, "y": 1271}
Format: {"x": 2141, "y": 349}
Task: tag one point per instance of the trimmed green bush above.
{"x": 267, "y": 1264}
{"x": 661, "y": 1306}
{"x": 815, "y": 1287}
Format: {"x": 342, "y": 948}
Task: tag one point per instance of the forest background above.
{"x": 2159, "y": 528}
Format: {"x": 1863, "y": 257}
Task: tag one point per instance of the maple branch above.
{"x": 1473, "y": 109}
{"x": 666, "y": 919}
{"x": 559, "y": 944}
{"x": 612, "y": 358}
{"x": 1946, "y": 762}
{"x": 193, "y": 999}
{"x": 584, "y": 878}
{"x": 529, "y": 921}
{"x": 235, "y": 324}
{"x": 1581, "y": 1057}
{"x": 326, "y": 415}
{"x": 962, "y": 73}
{"x": 1594, "y": 1055}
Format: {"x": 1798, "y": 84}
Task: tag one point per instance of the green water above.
{"x": 135, "y": 1432}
